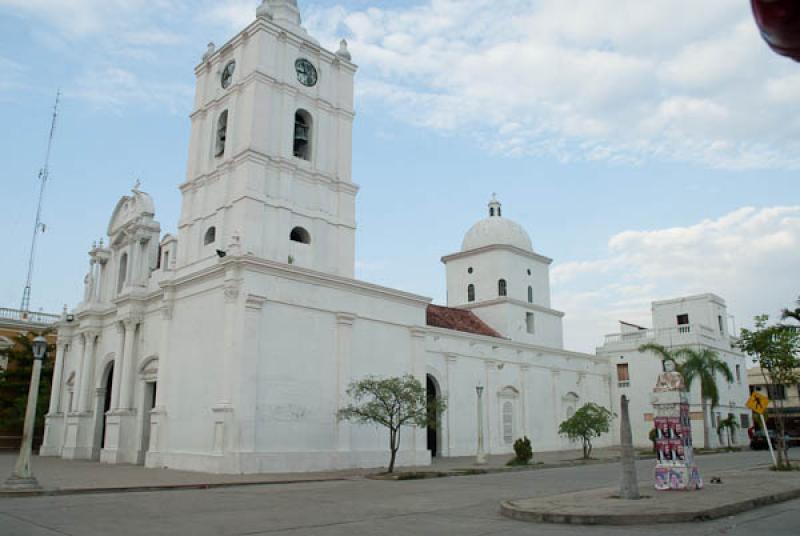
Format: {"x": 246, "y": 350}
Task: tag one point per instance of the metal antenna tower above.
{"x": 39, "y": 226}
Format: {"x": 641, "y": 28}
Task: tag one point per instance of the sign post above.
{"x": 758, "y": 403}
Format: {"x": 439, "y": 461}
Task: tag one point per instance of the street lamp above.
{"x": 480, "y": 458}
{"x": 22, "y": 478}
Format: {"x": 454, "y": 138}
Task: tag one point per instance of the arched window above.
{"x": 123, "y": 272}
{"x": 530, "y": 294}
{"x": 299, "y": 234}
{"x": 508, "y": 422}
{"x": 302, "y": 134}
{"x": 210, "y": 237}
{"x": 222, "y": 133}
{"x": 470, "y": 293}
{"x": 501, "y": 288}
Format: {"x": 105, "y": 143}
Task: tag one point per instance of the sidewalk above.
{"x": 739, "y": 491}
{"x": 58, "y": 476}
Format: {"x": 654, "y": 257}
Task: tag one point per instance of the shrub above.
{"x": 523, "y": 452}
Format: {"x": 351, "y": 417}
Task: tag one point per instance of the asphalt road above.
{"x": 460, "y": 505}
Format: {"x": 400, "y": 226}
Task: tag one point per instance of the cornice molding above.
{"x": 506, "y": 300}
{"x": 494, "y": 247}
{"x": 508, "y": 344}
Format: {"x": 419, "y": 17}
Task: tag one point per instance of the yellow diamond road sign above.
{"x": 758, "y": 402}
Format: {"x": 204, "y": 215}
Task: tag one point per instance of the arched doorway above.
{"x": 106, "y": 404}
{"x": 148, "y": 373}
{"x": 433, "y": 394}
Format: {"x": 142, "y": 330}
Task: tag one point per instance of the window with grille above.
{"x": 623, "y": 375}
{"x": 508, "y": 423}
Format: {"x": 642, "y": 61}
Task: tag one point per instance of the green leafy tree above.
{"x": 704, "y": 365}
{"x": 392, "y": 403}
{"x": 590, "y": 421}
{"x": 14, "y": 383}
{"x": 776, "y": 349}
{"x": 728, "y": 425}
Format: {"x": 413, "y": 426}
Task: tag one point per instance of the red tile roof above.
{"x": 458, "y": 320}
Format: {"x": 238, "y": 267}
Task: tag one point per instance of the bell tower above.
{"x": 270, "y": 151}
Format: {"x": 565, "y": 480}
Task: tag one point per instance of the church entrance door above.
{"x": 148, "y": 403}
{"x": 432, "y": 390}
{"x": 106, "y": 404}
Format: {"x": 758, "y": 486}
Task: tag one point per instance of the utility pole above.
{"x": 39, "y": 226}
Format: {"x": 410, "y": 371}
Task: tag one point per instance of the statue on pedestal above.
{"x": 669, "y": 380}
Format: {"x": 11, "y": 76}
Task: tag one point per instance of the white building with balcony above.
{"x": 693, "y": 322}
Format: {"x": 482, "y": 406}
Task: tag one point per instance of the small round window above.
{"x": 469, "y": 270}
{"x": 529, "y": 271}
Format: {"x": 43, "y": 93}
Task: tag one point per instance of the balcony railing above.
{"x": 643, "y": 336}
{"x": 30, "y": 317}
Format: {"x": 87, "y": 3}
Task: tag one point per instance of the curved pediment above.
{"x": 138, "y": 207}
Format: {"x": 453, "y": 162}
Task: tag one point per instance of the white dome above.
{"x": 496, "y": 230}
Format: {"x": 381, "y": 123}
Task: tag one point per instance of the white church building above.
{"x": 229, "y": 347}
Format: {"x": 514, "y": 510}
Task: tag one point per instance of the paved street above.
{"x": 458, "y": 505}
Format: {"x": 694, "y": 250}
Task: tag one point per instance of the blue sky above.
{"x": 649, "y": 149}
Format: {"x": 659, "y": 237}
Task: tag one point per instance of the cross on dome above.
{"x": 495, "y": 208}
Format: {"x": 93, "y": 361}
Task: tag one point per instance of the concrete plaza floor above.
{"x": 464, "y": 506}
{"x": 56, "y": 474}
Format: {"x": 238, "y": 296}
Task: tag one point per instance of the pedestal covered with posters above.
{"x": 675, "y": 469}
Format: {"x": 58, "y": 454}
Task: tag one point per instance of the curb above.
{"x": 508, "y": 509}
{"x": 166, "y": 487}
{"x": 484, "y": 470}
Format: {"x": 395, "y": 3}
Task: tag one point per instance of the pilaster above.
{"x": 491, "y": 405}
{"x": 119, "y": 365}
{"x": 58, "y": 380}
{"x": 417, "y": 365}
{"x": 88, "y": 372}
{"x": 451, "y": 360}
{"x": 523, "y": 397}
{"x": 344, "y": 350}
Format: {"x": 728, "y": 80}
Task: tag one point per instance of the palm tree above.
{"x": 703, "y": 365}
{"x": 666, "y": 354}
{"x": 729, "y": 423}
{"x": 788, "y": 313}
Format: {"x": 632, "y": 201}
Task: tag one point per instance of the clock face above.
{"x": 227, "y": 74}
{"x": 306, "y": 72}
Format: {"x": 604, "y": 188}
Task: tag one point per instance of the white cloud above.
{"x": 114, "y": 88}
{"x": 618, "y": 80}
{"x": 749, "y": 257}
{"x": 614, "y": 80}
{"x": 81, "y": 18}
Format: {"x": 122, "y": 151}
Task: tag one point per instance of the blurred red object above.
{"x": 779, "y": 22}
